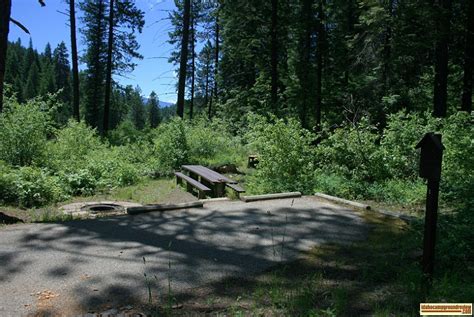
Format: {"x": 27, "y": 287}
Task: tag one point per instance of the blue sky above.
{"x": 154, "y": 72}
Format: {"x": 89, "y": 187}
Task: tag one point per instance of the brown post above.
{"x": 430, "y": 168}
{"x": 219, "y": 189}
{"x": 431, "y": 218}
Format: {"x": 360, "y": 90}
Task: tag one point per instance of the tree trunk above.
{"x": 206, "y": 93}
{"x": 108, "y": 78}
{"x": 387, "y": 51}
{"x": 468, "y": 59}
{"x": 306, "y": 61}
{"x": 321, "y": 44}
{"x": 75, "y": 68}
{"x": 350, "y": 32}
{"x": 5, "y": 10}
{"x": 193, "y": 66}
{"x": 183, "y": 59}
{"x": 443, "y": 8}
{"x": 274, "y": 56}
{"x": 216, "y": 57}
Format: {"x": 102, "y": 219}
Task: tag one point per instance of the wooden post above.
{"x": 430, "y": 168}
{"x": 431, "y": 218}
{"x": 219, "y": 189}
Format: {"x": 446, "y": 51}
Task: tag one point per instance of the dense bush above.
{"x": 24, "y": 129}
{"x": 352, "y": 151}
{"x": 35, "y": 187}
{"x": 125, "y": 133}
{"x": 399, "y": 139}
{"x": 458, "y": 158}
{"x": 30, "y": 187}
{"x": 72, "y": 146}
{"x": 359, "y": 162}
{"x": 7, "y": 191}
{"x": 170, "y": 146}
{"x": 285, "y": 156}
{"x": 211, "y": 144}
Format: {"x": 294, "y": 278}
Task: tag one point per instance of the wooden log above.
{"x": 271, "y": 196}
{"x": 163, "y": 207}
{"x": 343, "y": 201}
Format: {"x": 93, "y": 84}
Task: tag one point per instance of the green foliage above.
{"x": 7, "y": 192}
{"x": 398, "y": 191}
{"x": 72, "y": 145}
{"x": 171, "y": 146}
{"x": 358, "y": 162}
{"x": 458, "y": 159}
{"x": 111, "y": 169}
{"x": 211, "y": 144}
{"x": 124, "y": 133}
{"x": 335, "y": 184}
{"x": 352, "y": 151}
{"x": 403, "y": 132}
{"x": 285, "y": 156}
{"x": 24, "y": 129}
{"x": 31, "y": 187}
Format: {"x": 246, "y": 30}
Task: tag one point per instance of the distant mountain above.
{"x": 163, "y": 104}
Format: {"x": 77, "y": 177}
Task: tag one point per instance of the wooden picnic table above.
{"x": 209, "y": 177}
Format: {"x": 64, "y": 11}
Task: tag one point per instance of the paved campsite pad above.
{"x": 97, "y": 264}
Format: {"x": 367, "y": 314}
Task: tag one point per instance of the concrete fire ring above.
{"x": 92, "y": 209}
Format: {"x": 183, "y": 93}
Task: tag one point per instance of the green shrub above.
{"x": 403, "y": 132}
{"x": 352, "y": 151}
{"x": 110, "y": 169}
{"x": 7, "y": 193}
{"x": 400, "y": 191}
{"x": 285, "y": 156}
{"x": 210, "y": 144}
{"x": 334, "y": 184}
{"x": 457, "y": 178}
{"x": 125, "y": 133}
{"x": 24, "y": 129}
{"x": 72, "y": 146}
{"x": 79, "y": 181}
{"x": 170, "y": 146}
{"x": 33, "y": 187}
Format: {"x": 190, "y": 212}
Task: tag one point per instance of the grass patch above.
{"x": 147, "y": 191}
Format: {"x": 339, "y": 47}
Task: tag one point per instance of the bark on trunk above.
{"x": 387, "y": 51}
{"x": 108, "y": 79}
{"x": 321, "y": 44}
{"x": 468, "y": 60}
{"x": 306, "y": 60}
{"x": 274, "y": 56}
{"x": 5, "y": 10}
{"x": 183, "y": 59}
{"x": 216, "y": 57}
{"x": 206, "y": 94}
{"x": 75, "y": 67}
{"x": 193, "y": 59}
{"x": 443, "y": 8}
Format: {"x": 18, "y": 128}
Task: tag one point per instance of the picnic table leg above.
{"x": 219, "y": 189}
{"x": 194, "y": 176}
{"x": 178, "y": 180}
{"x": 189, "y": 187}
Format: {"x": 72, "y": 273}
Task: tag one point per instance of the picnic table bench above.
{"x": 190, "y": 182}
{"x": 206, "y": 180}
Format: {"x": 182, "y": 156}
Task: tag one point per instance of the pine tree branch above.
{"x": 21, "y": 26}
